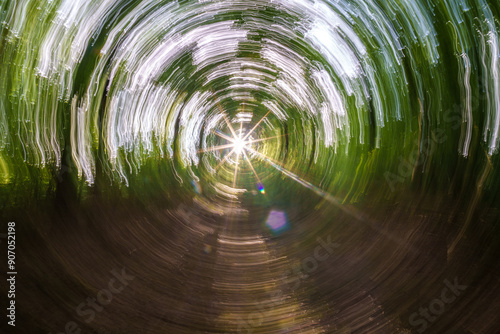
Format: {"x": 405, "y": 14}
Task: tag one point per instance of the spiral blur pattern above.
{"x": 210, "y": 147}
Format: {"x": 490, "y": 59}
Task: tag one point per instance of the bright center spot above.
{"x": 239, "y": 145}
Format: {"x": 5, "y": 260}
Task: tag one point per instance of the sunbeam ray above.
{"x": 224, "y": 136}
{"x": 251, "y": 166}
{"x": 216, "y": 148}
{"x": 256, "y": 125}
{"x": 264, "y": 139}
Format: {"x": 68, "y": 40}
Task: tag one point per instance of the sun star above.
{"x": 241, "y": 146}
{"x": 239, "y": 142}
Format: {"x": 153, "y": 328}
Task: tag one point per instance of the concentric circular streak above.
{"x": 283, "y": 166}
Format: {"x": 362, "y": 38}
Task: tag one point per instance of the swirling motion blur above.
{"x": 275, "y": 113}
{"x": 153, "y": 73}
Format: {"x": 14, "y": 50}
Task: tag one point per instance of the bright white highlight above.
{"x": 239, "y": 145}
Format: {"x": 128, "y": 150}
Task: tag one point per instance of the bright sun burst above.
{"x": 239, "y": 144}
